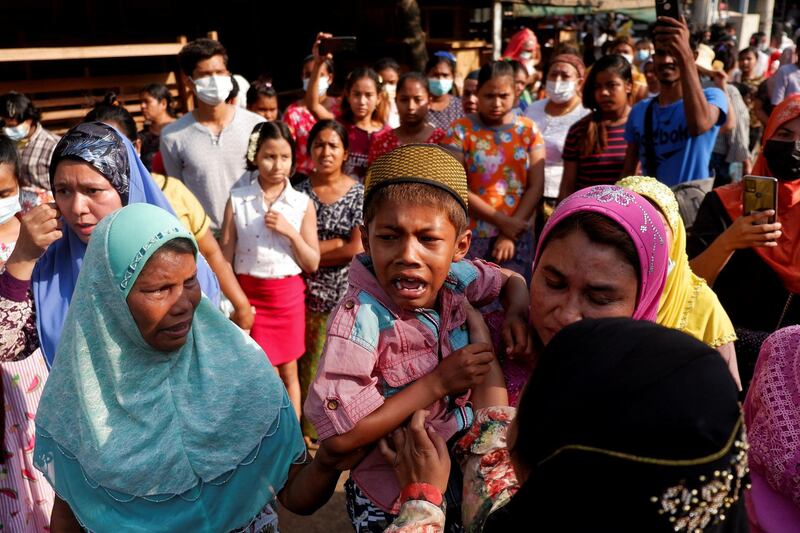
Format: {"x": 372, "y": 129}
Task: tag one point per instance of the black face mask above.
{"x": 783, "y": 159}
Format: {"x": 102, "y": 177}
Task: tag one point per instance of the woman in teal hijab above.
{"x": 159, "y": 413}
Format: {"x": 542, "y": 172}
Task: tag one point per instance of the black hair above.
{"x": 328, "y": 62}
{"x": 200, "y": 50}
{"x": 19, "y": 107}
{"x": 274, "y": 130}
{"x": 323, "y": 125}
{"x": 473, "y": 75}
{"x": 355, "y": 75}
{"x": 434, "y": 61}
{"x": 110, "y": 109}
{"x": 596, "y": 136}
{"x": 9, "y": 154}
{"x": 517, "y": 66}
{"x": 749, "y": 50}
{"x": 234, "y": 91}
{"x": 495, "y": 69}
{"x": 160, "y": 92}
{"x": 644, "y": 40}
{"x": 387, "y": 62}
{"x": 181, "y": 245}
{"x": 412, "y": 76}
{"x": 601, "y": 230}
{"x": 260, "y": 87}
{"x": 727, "y": 56}
{"x": 404, "y": 194}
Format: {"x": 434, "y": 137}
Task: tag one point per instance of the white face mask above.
{"x": 560, "y": 92}
{"x": 9, "y": 207}
{"x": 391, "y": 90}
{"x": 17, "y": 133}
{"x": 213, "y": 90}
{"x": 628, "y": 57}
{"x": 322, "y": 86}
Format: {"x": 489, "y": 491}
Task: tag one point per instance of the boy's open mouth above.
{"x": 409, "y": 287}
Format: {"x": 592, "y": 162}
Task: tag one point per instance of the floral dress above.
{"x": 300, "y": 121}
{"x": 26, "y": 498}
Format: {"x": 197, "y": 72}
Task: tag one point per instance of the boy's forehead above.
{"x": 410, "y": 214}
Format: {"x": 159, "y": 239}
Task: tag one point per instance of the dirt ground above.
{"x": 332, "y": 518}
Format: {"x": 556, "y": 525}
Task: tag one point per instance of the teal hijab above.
{"x": 152, "y": 425}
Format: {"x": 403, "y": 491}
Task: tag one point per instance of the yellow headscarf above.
{"x": 687, "y": 303}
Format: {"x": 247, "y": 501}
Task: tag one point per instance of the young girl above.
{"x": 158, "y": 111}
{"x": 444, "y": 107}
{"x": 263, "y": 100}
{"x": 504, "y": 158}
{"x": 364, "y": 110}
{"x": 412, "y": 105}
{"x": 338, "y": 200}
{"x": 269, "y": 235}
{"x": 594, "y": 152}
{"x": 389, "y": 72}
{"x": 22, "y": 382}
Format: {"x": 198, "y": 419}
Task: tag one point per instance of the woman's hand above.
{"x": 39, "y": 228}
{"x": 752, "y": 231}
{"x": 417, "y": 454}
{"x": 315, "y": 48}
{"x": 277, "y": 222}
{"x": 244, "y": 316}
{"x": 504, "y": 249}
{"x": 463, "y": 369}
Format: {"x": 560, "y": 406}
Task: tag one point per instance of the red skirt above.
{"x": 280, "y": 322}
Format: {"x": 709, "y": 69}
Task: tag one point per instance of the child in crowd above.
{"x": 389, "y": 73}
{"x": 594, "y": 151}
{"x": 338, "y": 200}
{"x": 412, "y": 104}
{"x": 364, "y": 109}
{"x": 22, "y": 381}
{"x": 503, "y": 154}
{"x": 262, "y": 99}
{"x": 269, "y": 235}
{"x": 398, "y": 341}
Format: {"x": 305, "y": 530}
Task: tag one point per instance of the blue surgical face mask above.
{"x": 642, "y": 55}
{"x": 439, "y": 87}
{"x": 17, "y": 133}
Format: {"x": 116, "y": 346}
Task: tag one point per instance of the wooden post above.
{"x": 497, "y": 30}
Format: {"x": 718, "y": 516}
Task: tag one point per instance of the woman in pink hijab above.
{"x": 524, "y": 47}
{"x": 603, "y": 253}
{"x": 772, "y": 417}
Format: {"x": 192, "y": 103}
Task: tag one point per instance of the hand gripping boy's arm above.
{"x": 462, "y": 370}
{"x": 515, "y": 298}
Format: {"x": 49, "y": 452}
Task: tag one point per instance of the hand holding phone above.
{"x": 760, "y": 194}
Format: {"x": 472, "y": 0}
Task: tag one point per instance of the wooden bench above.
{"x": 64, "y": 101}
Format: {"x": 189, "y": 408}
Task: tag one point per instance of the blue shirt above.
{"x": 680, "y": 157}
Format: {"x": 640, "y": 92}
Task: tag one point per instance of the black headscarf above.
{"x": 628, "y": 426}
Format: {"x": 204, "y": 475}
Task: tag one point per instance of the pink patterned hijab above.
{"x": 641, "y": 222}
{"x": 772, "y": 417}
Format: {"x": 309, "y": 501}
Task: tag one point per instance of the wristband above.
{"x": 421, "y": 491}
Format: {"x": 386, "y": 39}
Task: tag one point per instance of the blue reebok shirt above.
{"x": 680, "y": 156}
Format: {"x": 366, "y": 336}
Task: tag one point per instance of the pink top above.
{"x": 641, "y": 222}
{"x": 772, "y": 418}
{"x": 374, "y": 349}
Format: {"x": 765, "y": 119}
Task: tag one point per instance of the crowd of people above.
{"x": 529, "y": 298}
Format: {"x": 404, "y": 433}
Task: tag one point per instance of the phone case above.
{"x": 760, "y": 193}
{"x": 668, "y": 8}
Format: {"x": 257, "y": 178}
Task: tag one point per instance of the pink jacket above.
{"x": 374, "y": 349}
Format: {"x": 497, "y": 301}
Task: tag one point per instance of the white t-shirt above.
{"x": 554, "y": 131}
{"x": 260, "y": 251}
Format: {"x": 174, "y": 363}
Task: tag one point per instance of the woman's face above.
{"x": 83, "y": 196}
{"x": 576, "y": 278}
{"x": 152, "y": 109}
{"x": 362, "y": 97}
{"x": 441, "y": 71}
{"x": 520, "y": 82}
{"x": 611, "y": 92}
{"x": 8, "y": 181}
{"x": 495, "y": 99}
{"x": 561, "y": 71}
{"x": 327, "y": 152}
{"x": 274, "y": 160}
{"x": 789, "y": 131}
{"x": 164, "y": 297}
{"x": 412, "y": 103}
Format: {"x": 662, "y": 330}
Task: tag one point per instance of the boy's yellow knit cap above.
{"x": 419, "y": 163}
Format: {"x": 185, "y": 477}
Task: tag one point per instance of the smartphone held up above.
{"x": 337, "y": 45}
{"x": 760, "y": 194}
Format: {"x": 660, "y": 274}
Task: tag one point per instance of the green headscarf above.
{"x": 141, "y": 422}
